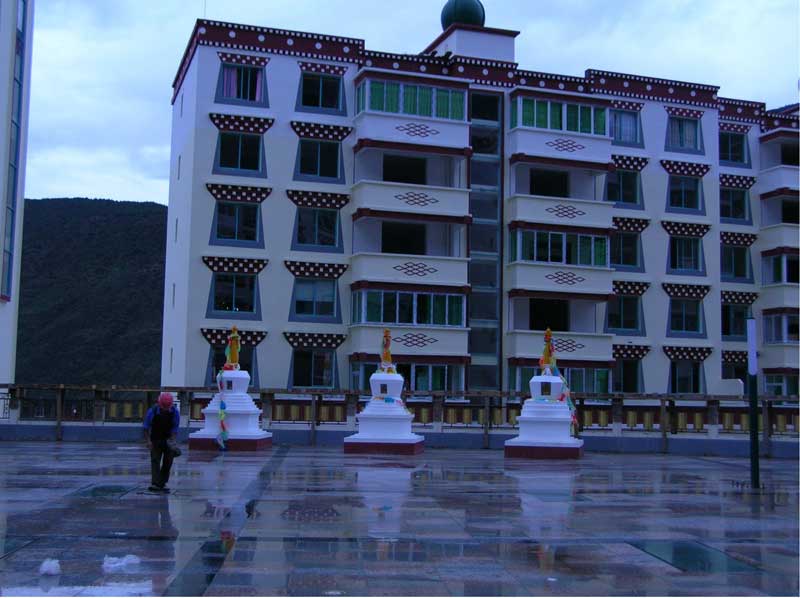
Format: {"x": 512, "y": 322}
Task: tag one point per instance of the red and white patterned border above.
{"x": 319, "y": 131}
{"x": 727, "y": 127}
{"x": 676, "y": 353}
{"x": 683, "y": 112}
{"x": 685, "y": 168}
{"x": 322, "y": 68}
{"x": 317, "y": 199}
{"x": 219, "y": 336}
{"x": 630, "y": 351}
{"x": 737, "y": 239}
{"x": 241, "y": 124}
{"x": 630, "y": 287}
{"x": 243, "y": 59}
{"x": 736, "y": 181}
{"x": 739, "y": 297}
{"x": 315, "y": 269}
{"x": 626, "y": 105}
{"x": 314, "y": 340}
{"x": 636, "y": 163}
{"x": 234, "y": 265}
{"x": 686, "y": 291}
{"x": 241, "y": 193}
{"x": 685, "y": 229}
{"x": 734, "y": 356}
{"x": 630, "y": 225}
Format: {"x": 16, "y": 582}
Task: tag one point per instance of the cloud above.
{"x": 102, "y": 71}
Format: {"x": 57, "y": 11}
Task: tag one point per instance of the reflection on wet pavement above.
{"x": 302, "y": 521}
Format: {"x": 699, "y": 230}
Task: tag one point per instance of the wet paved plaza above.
{"x": 302, "y": 521}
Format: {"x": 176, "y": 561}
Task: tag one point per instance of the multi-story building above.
{"x": 16, "y": 26}
{"x": 321, "y": 191}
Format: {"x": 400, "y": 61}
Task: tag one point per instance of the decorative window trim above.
{"x": 315, "y": 269}
{"x": 322, "y": 68}
{"x": 737, "y": 239}
{"x": 685, "y": 229}
{"x": 322, "y": 132}
{"x": 679, "y": 353}
{"x": 335, "y": 318}
{"x": 736, "y": 181}
{"x": 729, "y": 127}
{"x": 627, "y": 105}
{"x": 738, "y": 297}
{"x": 630, "y": 351}
{"x": 261, "y": 173}
{"x": 685, "y": 291}
{"x": 688, "y": 169}
{"x": 311, "y": 178}
{"x": 213, "y": 314}
{"x": 318, "y": 199}
{"x": 238, "y": 60}
{"x": 219, "y": 336}
{"x": 633, "y": 163}
{"x": 234, "y": 265}
{"x": 630, "y": 287}
{"x": 258, "y": 243}
{"x": 630, "y": 225}
{"x": 243, "y": 193}
{"x": 243, "y": 59}
{"x": 234, "y": 123}
{"x": 314, "y": 340}
{"x": 729, "y": 356}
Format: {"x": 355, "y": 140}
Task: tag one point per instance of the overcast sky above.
{"x": 102, "y": 69}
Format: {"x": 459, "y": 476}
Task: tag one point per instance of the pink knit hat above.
{"x": 165, "y": 400}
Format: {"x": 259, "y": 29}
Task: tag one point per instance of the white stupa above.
{"x": 233, "y": 409}
{"x": 384, "y": 426}
{"x": 545, "y": 424}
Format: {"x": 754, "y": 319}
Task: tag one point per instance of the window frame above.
{"x": 701, "y": 266}
{"x": 640, "y": 264}
{"x": 616, "y": 378}
{"x": 334, "y": 318}
{"x": 340, "y": 110}
{"x": 748, "y": 216}
{"x": 639, "y": 330}
{"x": 314, "y": 350}
{"x": 701, "y": 332}
{"x": 783, "y": 320}
{"x": 745, "y": 161}
{"x": 360, "y": 305}
{"x": 339, "y": 179}
{"x": 215, "y": 239}
{"x": 639, "y": 141}
{"x": 213, "y": 313}
{"x": 701, "y": 204}
{"x": 731, "y": 317}
{"x": 767, "y": 269}
{"x": 726, "y": 276}
{"x": 672, "y": 381}
{"x": 365, "y": 99}
{"x": 698, "y": 150}
{"x": 771, "y": 381}
{"x": 261, "y": 173}
{"x": 211, "y": 375}
{"x": 337, "y": 247}
{"x": 638, "y": 204}
{"x": 221, "y": 98}
{"x": 521, "y": 246}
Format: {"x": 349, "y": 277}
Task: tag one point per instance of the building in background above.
{"x": 16, "y": 27}
{"x": 321, "y": 191}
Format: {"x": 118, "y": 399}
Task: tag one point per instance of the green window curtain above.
{"x": 527, "y": 112}
{"x": 457, "y": 105}
{"x": 376, "y": 95}
{"x": 392, "y": 97}
{"x": 600, "y": 257}
{"x": 425, "y": 101}
{"x": 601, "y": 377}
{"x": 454, "y": 310}
{"x": 586, "y": 119}
{"x": 585, "y": 250}
{"x": 410, "y": 99}
{"x": 423, "y": 309}
{"x": 599, "y": 121}
{"x": 440, "y": 309}
{"x": 556, "y": 115}
{"x": 442, "y": 103}
{"x": 572, "y": 117}
{"x": 541, "y": 114}
{"x": 572, "y": 249}
{"x": 374, "y": 306}
{"x": 438, "y": 377}
{"x": 512, "y": 246}
{"x": 360, "y": 98}
{"x": 514, "y": 108}
{"x": 528, "y": 244}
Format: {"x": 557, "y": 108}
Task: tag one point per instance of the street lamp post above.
{"x": 752, "y": 371}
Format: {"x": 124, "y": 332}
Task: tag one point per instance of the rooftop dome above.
{"x": 467, "y": 12}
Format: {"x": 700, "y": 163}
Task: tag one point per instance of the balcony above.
{"x": 560, "y": 210}
{"x": 559, "y": 278}
{"x": 409, "y": 269}
{"x": 414, "y": 199}
{"x": 559, "y": 145}
{"x": 778, "y": 177}
{"x": 779, "y": 356}
{"x": 408, "y": 128}
{"x": 410, "y": 340}
{"x": 778, "y": 235}
{"x": 778, "y": 295}
{"x": 582, "y": 346}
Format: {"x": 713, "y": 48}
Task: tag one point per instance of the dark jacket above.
{"x": 162, "y": 424}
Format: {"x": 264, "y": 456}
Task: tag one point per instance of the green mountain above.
{"x": 92, "y": 292}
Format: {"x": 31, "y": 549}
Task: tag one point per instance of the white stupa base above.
{"x": 544, "y": 432}
{"x": 241, "y": 418}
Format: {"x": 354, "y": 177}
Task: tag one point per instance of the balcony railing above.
{"x": 414, "y": 340}
{"x": 589, "y": 346}
{"x": 415, "y": 199}
{"x": 784, "y": 355}
{"x": 564, "y": 278}
{"x": 408, "y": 128}
{"x": 561, "y": 145}
{"x": 778, "y": 235}
{"x": 777, "y": 177}
{"x": 778, "y": 295}
{"x": 411, "y": 269}
{"x": 560, "y": 210}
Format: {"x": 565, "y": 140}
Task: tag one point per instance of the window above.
{"x": 780, "y": 269}
{"x": 625, "y": 127}
{"x": 243, "y": 83}
{"x": 590, "y": 380}
{"x": 317, "y": 227}
{"x": 240, "y": 151}
{"x": 320, "y": 91}
{"x": 313, "y": 368}
{"x": 423, "y": 309}
{"x": 319, "y": 159}
{"x": 781, "y": 384}
{"x": 484, "y": 140}
{"x": 583, "y": 250}
{"x": 683, "y": 134}
{"x": 735, "y": 263}
{"x": 485, "y": 107}
{"x": 586, "y": 119}
{"x": 449, "y": 104}
{"x": 734, "y": 204}
{"x": 622, "y": 186}
{"x": 790, "y": 156}
{"x": 418, "y": 100}
{"x": 734, "y": 321}
{"x": 314, "y": 298}
{"x": 781, "y": 328}
{"x": 405, "y": 169}
{"x": 550, "y": 183}
{"x": 685, "y": 377}
{"x": 625, "y": 250}
{"x": 685, "y": 255}
{"x": 403, "y": 237}
{"x": 627, "y": 376}
{"x": 234, "y": 293}
{"x": 685, "y": 316}
{"x": 624, "y": 314}
{"x": 542, "y": 114}
{"x": 684, "y": 193}
{"x": 418, "y": 376}
{"x": 790, "y": 211}
{"x": 237, "y": 221}
{"x": 732, "y": 147}
{"x": 549, "y": 313}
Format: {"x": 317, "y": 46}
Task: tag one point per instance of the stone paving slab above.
{"x": 301, "y": 521}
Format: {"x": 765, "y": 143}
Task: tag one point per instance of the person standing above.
{"x": 161, "y": 425}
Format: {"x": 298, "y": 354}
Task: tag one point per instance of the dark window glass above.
{"x": 311, "y": 90}
{"x": 789, "y": 212}
{"x": 684, "y": 254}
{"x": 483, "y": 306}
{"x": 733, "y": 203}
{"x": 330, "y": 92}
{"x": 792, "y": 262}
{"x": 314, "y": 297}
{"x": 229, "y": 150}
{"x": 405, "y": 308}
{"x": 319, "y": 158}
{"x": 626, "y": 376}
{"x": 483, "y": 205}
{"x": 483, "y": 376}
{"x": 424, "y": 309}
{"x": 549, "y": 313}
{"x": 685, "y": 376}
{"x": 684, "y": 193}
{"x": 403, "y": 237}
{"x": 625, "y": 249}
{"x": 389, "y": 307}
{"x": 484, "y": 237}
{"x": 623, "y": 313}
{"x": 405, "y": 169}
{"x": 789, "y": 154}
{"x": 684, "y": 315}
{"x": 326, "y": 227}
{"x": 320, "y": 91}
{"x": 309, "y": 159}
{"x": 734, "y": 320}
{"x": 484, "y": 173}
{"x": 734, "y": 261}
{"x": 226, "y": 221}
{"x": 237, "y": 221}
{"x": 550, "y": 183}
{"x": 623, "y": 187}
{"x": 234, "y": 292}
{"x": 485, "y": 107}
{"x": 329, "y": 159}
{"x": 485, "y": 140}
{"x": 731, "y": 147}
{"x": 483, "y": 274}
{"x": 223, "y": 292}
{"x": 312, "y": 368}
{"x": 250, "y": 152}
{"x": 245, "y": 291}
{"x": 483, "y": 340}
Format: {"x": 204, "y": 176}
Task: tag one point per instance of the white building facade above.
{"x": 321, "y": 192}
{"x": 16, "y": 26}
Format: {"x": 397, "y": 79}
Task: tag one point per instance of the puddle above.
{"x": 104, "y": 491}
{"x": 692, "y": 557}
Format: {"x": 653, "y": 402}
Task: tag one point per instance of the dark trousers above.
{"x": 160, "y": 463}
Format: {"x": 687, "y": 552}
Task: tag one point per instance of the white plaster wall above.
{"x": 478, "y": 44}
